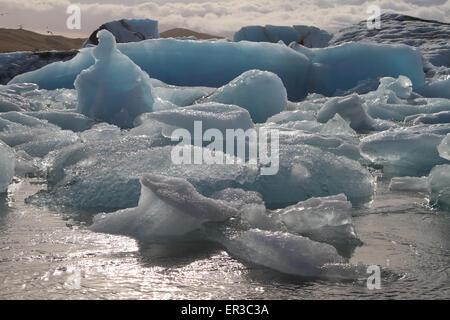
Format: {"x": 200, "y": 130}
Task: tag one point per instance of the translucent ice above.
{"x": 114, "y": 89}
{"x": 262, "y": 93}
{"x": 7, "y": 163}
{"x": 433, "y": 118}
{"x": 351, "y": 109}
{"x": 444, "y": 148}
{"x": 439, "y": 181}
{"x": 284, "y": 252}
{"x": 169, "y": 208}
{"x": 436, "y": 89}
{"x": 406, "y": 151}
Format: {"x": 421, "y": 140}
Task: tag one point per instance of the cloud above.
{"x": 220, "y": 17}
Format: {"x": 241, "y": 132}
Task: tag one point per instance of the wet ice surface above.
{"x": 43, "y": 250}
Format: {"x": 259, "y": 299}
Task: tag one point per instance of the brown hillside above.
{"x": 23, "y": 40}
{"x": 180, "y": 32}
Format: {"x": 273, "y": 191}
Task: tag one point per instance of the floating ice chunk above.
{"x": 60, "y": 74}
{"x": 114, "y": 90}
{"x": 402, "y": 86}
{"x": 284, "y": 252}
{"x": 415, "y": 184}
{"x": 65, "y": 120}
{"x": 106, "y": 174}
{"x": 7, "y": 164}
{"x": 436, "y": 89}
{"x": 204, "y": 63}
{"x": 400, "y": 111}
{"x": 262, "y": 93}
{"x": 26, "y": 165}
{"x": 169, "y": 209}
{"x": 313, "y": 37}
{"x": 340, "y": 145}
{"x": 337, "y": 126}
{"x": 101, "y": 131}
{"x": 406, "y": 151}
{"x": 433, "y": 118}
{"x": 309, "y": 36}
{"x": 343, "y": 66}
{"x": 444, "y": 148}
{"x": 42, "y": 144}
{"x": 439, "y": 180}
{"x": 212, "y": 116}
{"x": 297, "y": 115}
{"x": 306, "y": 171}
{"x": 181, "y": 96}
{"x": 351, "y": 109}
{"x": 268, "y": 33}
{"x": 127, "y": 30}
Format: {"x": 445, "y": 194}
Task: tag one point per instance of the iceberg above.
{"x": 127, "y": 30}
{"x": 205, "y": 63}
{"x": 308, "y": 36}
{"x": 114, "y": 89}
{"x": 406, "y": 151}
{"x": 342, "y": 67}
{"x": 262, "y": 93}
{"x": 409, "y": 184}
{"x": 7, "y": 165}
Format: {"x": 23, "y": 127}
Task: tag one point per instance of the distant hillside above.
{"x": 12, "y": 40}
{"x": 180, "y": 32}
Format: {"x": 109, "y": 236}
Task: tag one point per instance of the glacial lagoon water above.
{"x": 49, "y": 253}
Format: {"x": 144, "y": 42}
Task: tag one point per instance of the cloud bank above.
{"x": 219, "y": 17}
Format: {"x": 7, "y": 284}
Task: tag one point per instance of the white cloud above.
{"x": 221, "y": 17}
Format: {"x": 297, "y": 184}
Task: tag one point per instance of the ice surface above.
{"x": 204, "y": 63}
{"x": 433, "y": 118}
{"x": 106, "y": 173}
{"x": 212, "y": 116}
{"x": 260, "y": 92}
{"x": 415, "y": 184}
{"x": 7, "y": 164}
{"x": 439, "y": 181}
{"x": 436, "y": 89}
{"x": 114, "y": 90}
{"x": 406, "y": 151}
{"x": 351, "y": 109}
{"x": 32, "y": 135}
{"x": 306, "y": 171}
{"x": 444, "y": 148}
{"x": 127, "y": 30}
{"x": 65, "y": 120}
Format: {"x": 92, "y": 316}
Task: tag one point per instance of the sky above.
{"x": 217, "y": 17}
